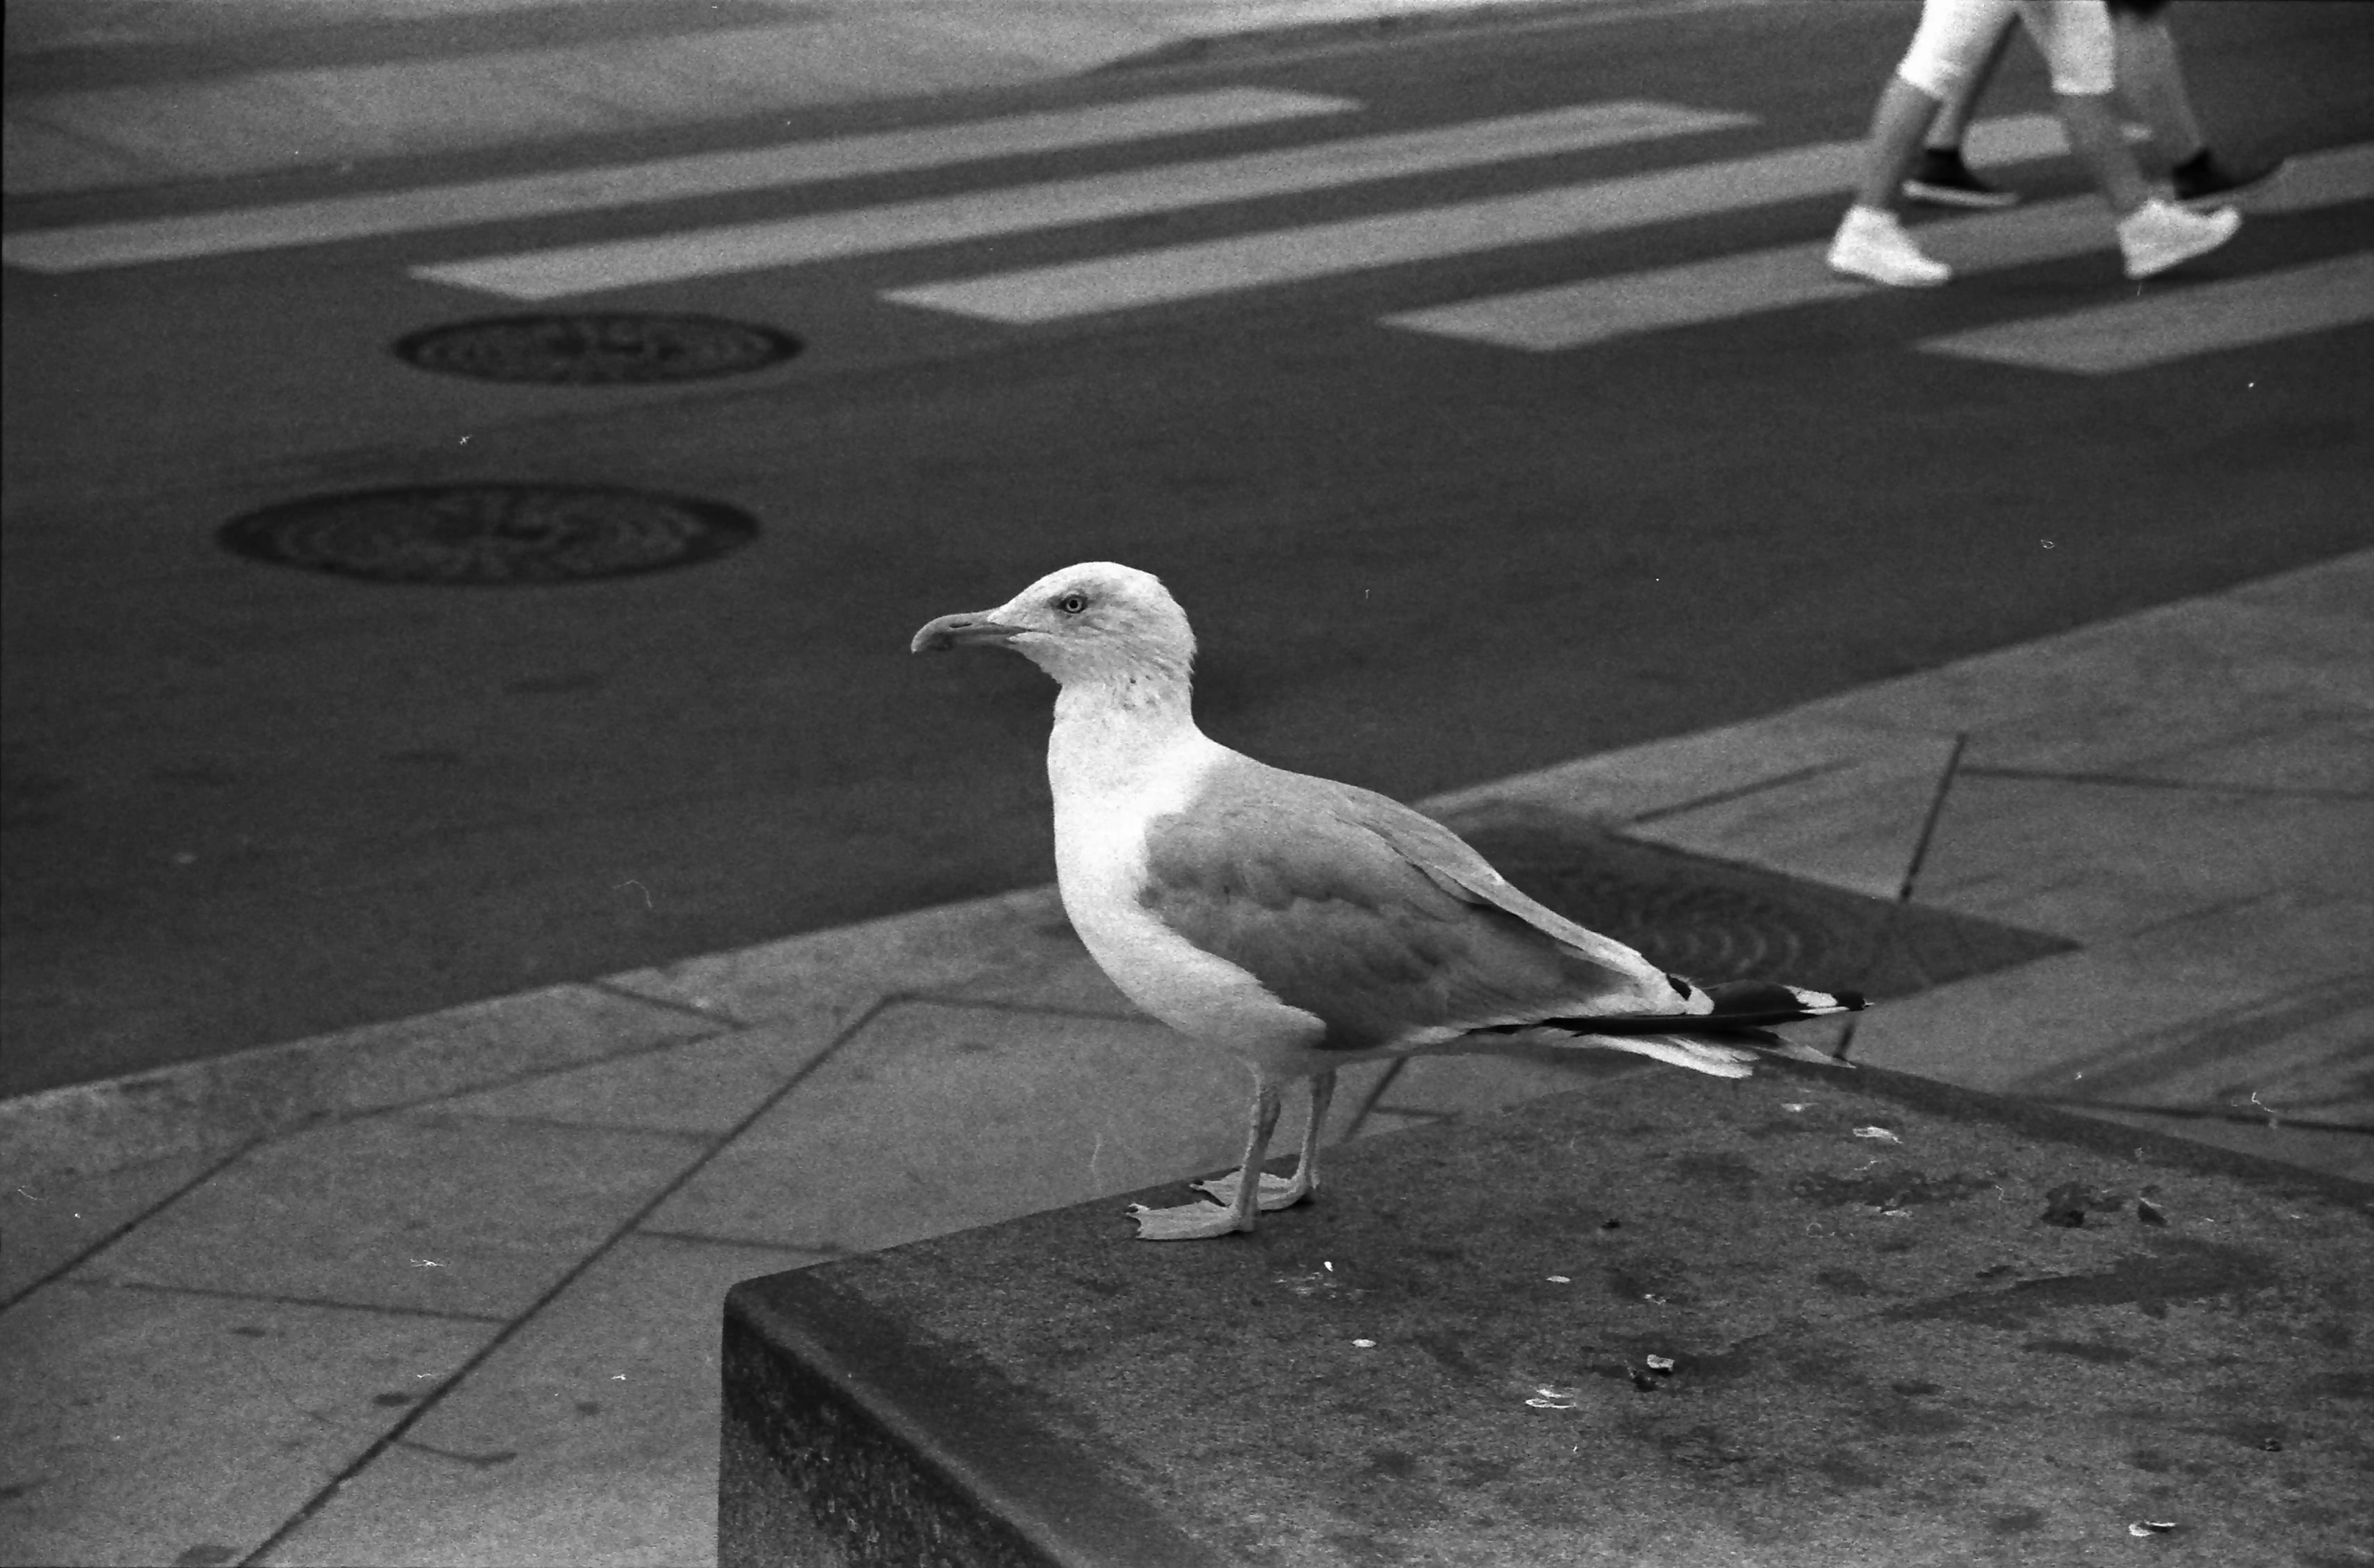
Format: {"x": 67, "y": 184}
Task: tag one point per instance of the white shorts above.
{"x": 1954, "y": 35}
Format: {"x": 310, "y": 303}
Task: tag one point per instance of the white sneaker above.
{"x": 2157, "y": 235}
{"x": 1873, "y": 245}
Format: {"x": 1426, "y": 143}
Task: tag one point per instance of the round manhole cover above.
{"x": 596, "y": 348}
{"x": 1709, "y": 919}
{"x": 1710, "y": 932}
{"x": 508, "y": 535}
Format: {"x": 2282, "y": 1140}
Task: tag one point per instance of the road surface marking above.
{"x": 1597, "y": 310}
{"x": 1135, "y": 192}
{"x": 1560, "y": 212}
{"x": 2175, "y": 324}
{"x": 88, "y": 246}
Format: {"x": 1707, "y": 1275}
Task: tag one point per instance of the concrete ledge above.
{"x": 823, "y": 1464}
{"x": 1813, "y": 1317}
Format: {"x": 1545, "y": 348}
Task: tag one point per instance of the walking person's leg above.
{"x": 1953, "y": 37}
{"x": 2078, "y": 44}
{"x": 2151, "y": 78}
{"x": 1940, "y": 177}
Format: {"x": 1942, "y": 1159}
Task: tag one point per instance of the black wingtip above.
{"x": 1851, "y": 1000}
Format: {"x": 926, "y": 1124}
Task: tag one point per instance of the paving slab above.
{"x": 706, "y": 1086}
{"x": 589, "y": 1437}
{"x": 1855, "y": 821}
{"x": 411, "y": 1211}
{"x": 1687, "y": 773}
{"x": 2300, "y": 1051}
{"x": 2044, "y": 1028}
{"x": 1021, "y": 931}
{"x": 2219, "y": 660}
{"x": 50, "y": 1222}
{"x": 1052, "y": 1108}
{"x": 163, "y": 1426}
{"x": 1810, "y": 1318}
{"x": 216, "y": 1105}
{"x": 2094, "y": 861}
{"x": 2344, "y": 1149}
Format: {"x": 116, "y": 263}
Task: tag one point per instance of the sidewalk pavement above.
{"x": 446, "y": 1290}
{"x": 126, "y": 95}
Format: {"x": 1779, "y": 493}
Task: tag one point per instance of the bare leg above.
{"x": 1897, "y": 126}
{"x": 2092, "y": 128}
{"x": 2152, "y": 79}
{"x": 1277, "y": 1192}
{"x": 1193, "y": 1222}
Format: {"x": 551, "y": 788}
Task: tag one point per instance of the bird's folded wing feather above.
{"x": 1373, "y": 917}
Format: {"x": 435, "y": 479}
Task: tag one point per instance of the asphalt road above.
{"x": 246, "y": 804}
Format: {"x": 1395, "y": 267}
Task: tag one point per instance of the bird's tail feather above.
{"x": 1724, "y": 1041}
{"x": 1754, "y": 1002}
{"x": 1728, "y": 1053}
{"x": 1704, "y": 1053}
{"x": 1739, "y": 1006}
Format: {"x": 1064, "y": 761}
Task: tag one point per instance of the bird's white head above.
{"x": 1096, "y": 625}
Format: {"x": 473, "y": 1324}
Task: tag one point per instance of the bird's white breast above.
{"x": 1107, "y": 801}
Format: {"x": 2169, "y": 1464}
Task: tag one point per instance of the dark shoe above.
{"x": 1941, "y": 178}
{"x": 2205, "y": 177}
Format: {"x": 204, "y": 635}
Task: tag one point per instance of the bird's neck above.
{"x": 1112, "y": 735}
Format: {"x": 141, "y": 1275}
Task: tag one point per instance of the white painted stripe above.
{"x": 2175, "y": 323}
{"x": 1571, "y": 315}
{"x": 1560, "y": 212}
{"x": 89, "y": 246}
{"x": 747, "y": 247}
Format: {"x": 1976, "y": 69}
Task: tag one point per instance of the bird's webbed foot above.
{"x": 1188, "y": 1222}
{"x": 1277, "y": 1192}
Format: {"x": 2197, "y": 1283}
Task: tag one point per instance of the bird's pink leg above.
{"x": 1193, "y": 1222}
{"x": 1306, "y": 1167}
{"x": 1279, "y": 1192}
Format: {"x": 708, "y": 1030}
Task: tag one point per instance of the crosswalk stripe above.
{"x": 1596, "y": 309}
{"x": 745, "y": 247}
{"x": 2152, "y": 331}
{"x": 89, "y": 246}
{"x": 1569, "y": 316}
{"x": 1560, "y": 212}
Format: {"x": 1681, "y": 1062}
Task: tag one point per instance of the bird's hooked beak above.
{"x": 961, "y": 630}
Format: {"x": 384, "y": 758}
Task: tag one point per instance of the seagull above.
{"x": 1299, "y": 923}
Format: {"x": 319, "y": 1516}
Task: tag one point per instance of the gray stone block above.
{"x": 1814, "y": 1318}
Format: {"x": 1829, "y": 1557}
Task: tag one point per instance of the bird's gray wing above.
{"x": 1377, "y": 920}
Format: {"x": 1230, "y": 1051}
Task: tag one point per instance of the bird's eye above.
{"x": 1072, "y": 604}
